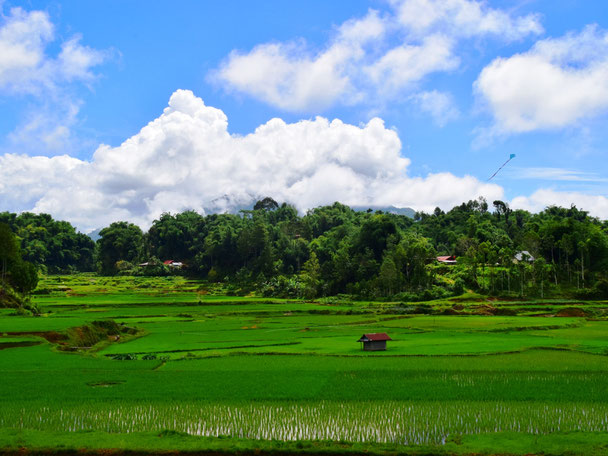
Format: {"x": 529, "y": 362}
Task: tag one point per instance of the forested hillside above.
{"x": 334, "y": 249}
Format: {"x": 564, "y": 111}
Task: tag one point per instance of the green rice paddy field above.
{"x": 192, "y": 369}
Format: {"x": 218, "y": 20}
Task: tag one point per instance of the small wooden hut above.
{"x": 374, "y": 341}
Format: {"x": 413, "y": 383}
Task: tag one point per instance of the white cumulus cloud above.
{"x": 292, "y": 77}
{"x": 554, "y": 85}
{"x": 26, "y": 66}
{"x": 46, "y": 73}
{"x": 187, "y": 159}
{"x": 465, "y": 18}
{"x": 408, "y": 64}
{"x": 369, "y": 59}
{"x": 596, "y": 205}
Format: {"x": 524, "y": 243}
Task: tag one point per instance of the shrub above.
{"x": 110, "y": 327}
{"x": 458, "y": 287}
{"x": 124, "y": 357}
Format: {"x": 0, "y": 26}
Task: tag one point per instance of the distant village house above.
{"x": 449, "y": 259}
{"x": 524, "y": 255}
{"x": 173, "y": 264}
{"x": 374, "y": 341}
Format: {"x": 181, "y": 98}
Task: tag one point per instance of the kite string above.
{"x": 503, "y": 165}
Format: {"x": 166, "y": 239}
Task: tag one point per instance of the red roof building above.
{"x": 173, "y": 264}
{"x": 374, "y": 341}
{"x": 449, "y": 259}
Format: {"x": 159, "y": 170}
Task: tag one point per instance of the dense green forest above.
{"x": 334, "y": 249}
{"x": 54, "y": 246}
{"x": 17, "y": 276}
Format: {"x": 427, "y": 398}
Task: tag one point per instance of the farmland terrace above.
{"x": 153, "y": 365}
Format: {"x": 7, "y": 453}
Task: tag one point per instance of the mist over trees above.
{"x": 335, "y": 249}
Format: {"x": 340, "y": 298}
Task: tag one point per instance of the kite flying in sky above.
{"x": 511, "y": 157}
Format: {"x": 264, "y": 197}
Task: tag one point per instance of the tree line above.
{"x": 18, "y": 277}
{"x": 53, "y": 246}
{"x": 335, "y": 249}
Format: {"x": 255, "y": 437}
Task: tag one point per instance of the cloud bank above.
{"x": 187, "y": 159}
{"x": 376, "y": 57}
{"x": 557, "y": 83}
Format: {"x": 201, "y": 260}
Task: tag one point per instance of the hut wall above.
{"x": 374, "y": 345}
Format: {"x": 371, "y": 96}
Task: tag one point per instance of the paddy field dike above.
{"x": 171, "y": 364}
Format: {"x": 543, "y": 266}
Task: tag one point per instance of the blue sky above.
{"x": 402, "y": 102}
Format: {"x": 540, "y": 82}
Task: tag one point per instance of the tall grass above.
{"x": 407, "y": 423}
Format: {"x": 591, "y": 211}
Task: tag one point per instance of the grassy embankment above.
{"x": 289, "y": 376}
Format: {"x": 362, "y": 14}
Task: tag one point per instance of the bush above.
{"x": 42, "y": 291}
{"x": 505, "y": 312}
{"x": 281, "y": 287}
{"x": 458, "y": 287}
{"x": 587, "y": 293}
{"x": 124, "y": 267}
{"x": 407, "y": 297}
{"x": 24, "y": 276}
{"x": 428, "y": 294}
{"x": 601, "y": 289}
{"x": 110, "y": 327}
{"x": 124, "y": 357}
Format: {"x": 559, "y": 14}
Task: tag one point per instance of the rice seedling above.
{"x": 403, "y": 423}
